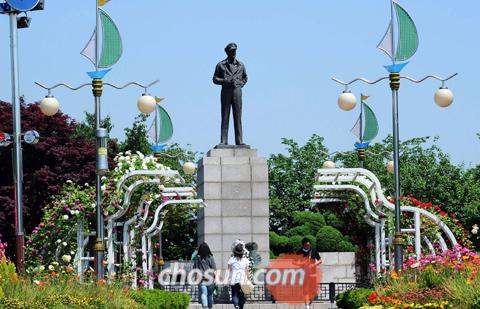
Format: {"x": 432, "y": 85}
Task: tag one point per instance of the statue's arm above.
{"x": 217, "y": 76}
{"x": 244, "y": 76}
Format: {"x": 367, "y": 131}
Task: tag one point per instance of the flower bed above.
{"x": 446, "y": 280}
{"x": 59, "y": 289}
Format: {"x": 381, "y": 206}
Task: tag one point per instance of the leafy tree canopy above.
{"x": 136, "y": 136}
{"x": 47, "y": 165}
{"x": 86, "y": 129}
{"x": 291, "y": 179}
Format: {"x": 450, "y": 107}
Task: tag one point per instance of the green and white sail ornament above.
{"x": 400, "y": 41}
{"x": 104, "y": 48}
{"x": 366, "y": 127}
{"x": 161, "y": 130}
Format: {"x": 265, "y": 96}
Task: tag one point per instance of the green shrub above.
{"x": 353, "y": 299}
{"x": 284, "y": 245}
{"x": 295, "y": 242}
{"x": 430, "y": 278}
{"x": 300, "y": 230}
{"x": 328, "y": 239}
{"x": 7, "y": 270}
{"x": 345, "y": 246}
{"x": 358, "y": 297}
{"x": 274, "y": 239}
{"x": 158, "y": 299}
{"x": 312, "y": 220}
{"x": 279, "y": 244}
{"x": 476, "y": 304}
{"x": 332, "y": 220}
{"x": 340, "y": 299}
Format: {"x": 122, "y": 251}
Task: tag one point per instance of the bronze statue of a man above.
{"x": 232, "y": 76}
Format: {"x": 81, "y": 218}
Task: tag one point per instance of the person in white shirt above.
{"x": 238, "y": 273}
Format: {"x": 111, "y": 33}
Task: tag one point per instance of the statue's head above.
{"x": 231, "y": 50}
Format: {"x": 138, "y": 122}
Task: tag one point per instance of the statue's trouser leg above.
{"x": 237, "y": 115}
{"x": 226, "y": 99}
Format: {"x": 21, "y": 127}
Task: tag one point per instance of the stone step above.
{"x": 269, "y": 306}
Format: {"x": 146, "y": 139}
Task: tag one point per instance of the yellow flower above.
{"x": 394, "y": 275}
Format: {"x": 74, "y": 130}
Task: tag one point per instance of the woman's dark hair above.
{"x": 204, "y": 250}
{"x": 305, "y": 240}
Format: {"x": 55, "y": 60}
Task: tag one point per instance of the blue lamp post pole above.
{"x": 13, "y": 8}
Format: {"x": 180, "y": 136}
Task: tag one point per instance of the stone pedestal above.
{"x": 234, "y": 184}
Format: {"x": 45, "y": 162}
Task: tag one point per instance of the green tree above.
{"x": 291, "y": 179}
{"x": 136, "y": 136}
{"x": 86, "y": 128}
{"x": 471, "y": 211}
{"x": 426, "y": 172}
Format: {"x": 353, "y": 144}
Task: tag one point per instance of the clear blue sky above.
{"x": 291, "y": 50}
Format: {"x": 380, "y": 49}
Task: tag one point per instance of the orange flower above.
{"x": 387, "y": 299}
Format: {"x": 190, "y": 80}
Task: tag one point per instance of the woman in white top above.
{"x": 238, "y": 270}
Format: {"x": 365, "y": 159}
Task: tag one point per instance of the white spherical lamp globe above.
{"x": 443, "y": 97}
{"x": 391, "y": 167}
{"x": 328, "y": 164}
{"x": 49, "y": 105}
{"x": 146, "y": 103}
{"x": 189, "y": 168}
{"x": 347, "y": 101}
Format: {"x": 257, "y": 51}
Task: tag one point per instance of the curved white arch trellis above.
{"x": 361, "y": 181}
{"x": 129, "y": 184}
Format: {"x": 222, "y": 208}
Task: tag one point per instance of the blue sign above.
{"x": 22, "y": 5}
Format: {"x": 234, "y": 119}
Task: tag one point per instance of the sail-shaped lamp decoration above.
{"x": 365, "y": 129}
{"x": 104, "y": 48}
{"x": 404, "y": 34}
{"x": 161, "y": 130}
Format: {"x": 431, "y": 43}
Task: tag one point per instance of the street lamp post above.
{"x": 400, "y": 43}
{"x": 13, "y": 8}
{"x": 443, "y": 98}
{"x": 51, "y": 105}
{"x": 104, "y": 49}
